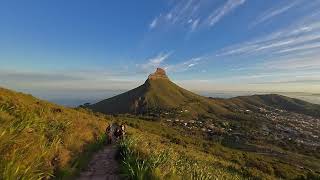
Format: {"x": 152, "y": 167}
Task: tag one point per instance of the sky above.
{"x": 97, "y": 48}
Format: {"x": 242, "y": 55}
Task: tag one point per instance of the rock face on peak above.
{"x": 159, "y": 74}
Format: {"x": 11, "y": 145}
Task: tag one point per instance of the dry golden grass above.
{"x": 41, "y": 140}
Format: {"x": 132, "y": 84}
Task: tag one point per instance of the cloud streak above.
{"x": 154, "y": 62}
{"x": 292, "y": 63}
{"x": 154, "y": 22}
{"x": 285, "y": 55}
{"x": 300, "y": 41}
{"x": 67, "y": 80}
{"x": 218, "y": 14}
{"x": 273, "y": 12}
{"x": 34, "y": 76}
{"x": 194, "y": 14}
{"x": 184, "y": 65}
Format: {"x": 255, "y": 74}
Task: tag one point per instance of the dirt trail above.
{"x": 103, "y": 165}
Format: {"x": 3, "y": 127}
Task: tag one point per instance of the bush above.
{"x": 137, "y": 167}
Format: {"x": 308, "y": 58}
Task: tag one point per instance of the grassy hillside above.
{"x": 154, "y": 150}
{"x": 39, "y": 140}
{"x": 157, "y": 96}
{"x": 281, "y": 102}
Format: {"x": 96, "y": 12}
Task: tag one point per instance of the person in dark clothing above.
{"x": 120, "y": 132}
{"x": 109, "y": 134}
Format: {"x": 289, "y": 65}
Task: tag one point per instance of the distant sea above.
{"x": 95, "y": 96}
{"x": 76, "y": 98}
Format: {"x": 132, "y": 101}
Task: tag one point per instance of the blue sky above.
{"x": 205, "y": 45}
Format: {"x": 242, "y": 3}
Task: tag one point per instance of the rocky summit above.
{"x": 159, "y": 74}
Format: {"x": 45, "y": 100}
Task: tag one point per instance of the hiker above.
{"x": 109, "y": 134}
{"x": 110, "y": 130}
{"x": 123, "y": 129}
{"x": 120, "y": 132}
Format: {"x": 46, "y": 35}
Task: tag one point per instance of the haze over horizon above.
{"x": 49, "y": 48}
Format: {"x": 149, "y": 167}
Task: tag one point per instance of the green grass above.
{"x": 40, "y": 140}
{"x": 194, "y": 157}
{"x": 156, "y": 96}
{"x": 159, "y": 165}
{"x": 81, "y": 161}
{"x": 136, "y": 167}
{"x": 167, "y": 164}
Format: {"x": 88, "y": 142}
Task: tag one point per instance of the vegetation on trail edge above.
{"x": 160, "y": 165}
{"x": 154, "y": 151}
{"x": 40, "y": 140}
{"x": 82, "y": 160}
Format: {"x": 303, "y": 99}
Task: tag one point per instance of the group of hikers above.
{"x": 115, "y": 132}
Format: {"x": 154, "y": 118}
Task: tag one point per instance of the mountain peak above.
{"x": 159, "y": 74}
{"x": 157, "y": 94}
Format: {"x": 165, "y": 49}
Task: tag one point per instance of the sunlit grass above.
{"x": 192, "y": 157}
{"x": 140, "y": 163}
{"x": 135, "y": 166}
{"x": 39, "y": 140}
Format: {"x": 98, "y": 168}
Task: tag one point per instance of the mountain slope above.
{"x": 280, "y": 102}
{"x": 158, "y": 93}
{"x": 39, "y": 139}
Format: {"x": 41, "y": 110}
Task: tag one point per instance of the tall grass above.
{"x": 19, "y": 163}
{"x": 39, "y": 139}
{"x": 82, "y": 159}
{"x": 164, "y": 164}
{"x": 137, "y": 166}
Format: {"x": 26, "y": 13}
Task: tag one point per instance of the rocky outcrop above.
{"x": 159, "y": 74}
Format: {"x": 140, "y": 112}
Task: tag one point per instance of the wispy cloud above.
{"x": 294, "y": 40}
{"x": 154, "y": 22}
{"x": 273, "y": 12}
{"x": 67, "y": 80}
{"x": 294, "y": 63}
{"x": 154, "y": 62}
{"x": 195, "y": 24}
{"x": 184, "y": 65}
{"x": 284, "y": 55}
{"x": 260, "y": 82}
{"x": 219, "y": 13}
{"x": 18, "y": 76}
{"x": 194, "y": 14}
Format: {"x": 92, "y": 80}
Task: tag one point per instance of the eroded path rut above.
{"x": 103, "y": 165}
